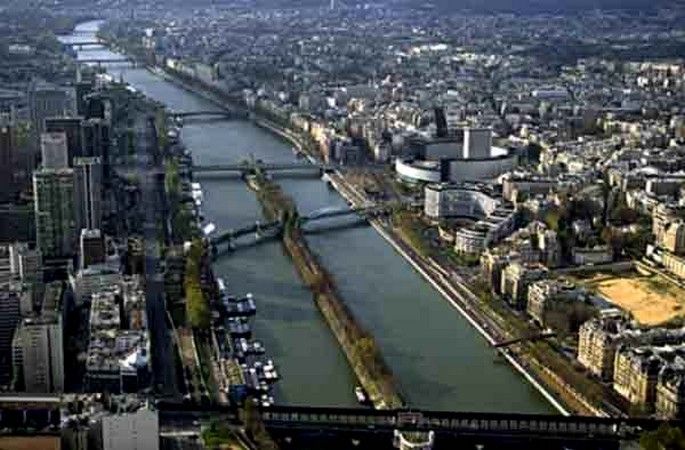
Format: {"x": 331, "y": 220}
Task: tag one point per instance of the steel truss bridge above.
{"x": 530, "y": 428}
{"x": 274, "y": 228}
{"x": 81, "y": 44}
{"x": 208, "y": 114}
{"x": 101, "y": 61}
{"x": 264, "y": 167}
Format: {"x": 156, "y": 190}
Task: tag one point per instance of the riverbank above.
{"x": 357, "y": 344}
{"x": 563, "y": 397}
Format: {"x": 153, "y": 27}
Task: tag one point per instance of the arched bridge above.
{"x": 101, "y": 61}
{"x": 245, "y": 167}
{"x": 208, "y": 114}
{"x": 81, "y": 44}
{"x": 273, "y": 229}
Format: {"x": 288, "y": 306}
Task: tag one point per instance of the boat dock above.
{"x": 246, "y": 370}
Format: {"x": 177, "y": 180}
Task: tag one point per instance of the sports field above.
{"x": 651, "y": 300}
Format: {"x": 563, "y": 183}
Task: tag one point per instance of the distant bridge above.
{"x": 264, "y": 167}
{"x": 215, "y": 114}
{"x": 81, "y": 44}
{"x": 101, "y": 61}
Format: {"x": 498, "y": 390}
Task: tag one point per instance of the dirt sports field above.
{"x": 652, "y": 301}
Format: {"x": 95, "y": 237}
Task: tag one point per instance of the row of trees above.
{"x": 197, "y": 304}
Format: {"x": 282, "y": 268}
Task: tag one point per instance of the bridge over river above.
{"x": 302, "y": 425}
{"x": 274, "y": 228}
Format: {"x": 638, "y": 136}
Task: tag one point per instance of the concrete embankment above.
{"x": 358, "y": 344}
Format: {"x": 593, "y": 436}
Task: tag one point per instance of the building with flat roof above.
{"x": 137, "y": 430}
{"x": 53, "y": 150}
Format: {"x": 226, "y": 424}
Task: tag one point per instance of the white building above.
{"x": 53, "y": 150}
{"x": 451, "y": 200}
{"x": 131, "y": 431}
{"x": 38, "y": 344}
{"x": 25, "y": 263}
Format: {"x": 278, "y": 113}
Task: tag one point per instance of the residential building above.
{"x": 674, "y": 263}
{"x": 636, "y": 371}
{"x": 599, "y": 254}
{"x": 545, "y": 295}
{"x": 516, "y": 278}
{"x": 599, "y": 339}
{"x": 673, "y": 237}
{"x": 670, "y": 393}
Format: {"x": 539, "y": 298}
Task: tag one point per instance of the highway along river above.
{"x": 439, "y": 360}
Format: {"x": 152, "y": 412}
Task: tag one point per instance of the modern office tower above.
{"x": 38, "y": 345}
{"x": 477, "y": 143}
{"x": 9, "y": 318}
{"x": 53, "y": 191}
{"x": 131, "y": 430}
{"x": 53, "y": 150}
{"x": 38, "y": 352}
{"x": 17, "y": 223}
{"x": 26, "y": 263}
{"x": 46, "y": 100}
{"x": 96, "y": 138}
{"x": 92, "y": 248}
{"x": 83, "y": 89}
{"x": 73, "y": 128}
{"x": 440, "y": 123}
{"x": 7, "y": 150}
{"x": 88, "y": 192}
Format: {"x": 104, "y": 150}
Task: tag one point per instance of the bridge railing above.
{"x": 459, "y": 422}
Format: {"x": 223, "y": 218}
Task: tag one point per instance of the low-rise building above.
{"x": 599, "y": 254}
{"x": 544, "y": 294}
{"x": 599, "y": 339}
{"x": 636, "y": 371}
{"x": 136, "y": 430}
{"x": 444, "y": 200}
{"x": 516, "y": 278}
{"x": 674, "y": 263}
{"x": 670, "y": 393}
{"x": 118, "y": 358}
{"x": 475, "y": 238}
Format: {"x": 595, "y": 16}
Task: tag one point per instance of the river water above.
{"x": 439, "y": 360}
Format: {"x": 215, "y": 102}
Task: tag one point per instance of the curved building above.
{"x": 418, "y": 171}
{"x": 477, "y": 169}
{"x": 445, "y": 200}
{"x": 448, "y": 159}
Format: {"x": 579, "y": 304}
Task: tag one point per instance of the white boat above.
{"x": 361, "y": 395}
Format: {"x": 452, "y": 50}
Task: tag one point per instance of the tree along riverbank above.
{"x": 358, "y": 344}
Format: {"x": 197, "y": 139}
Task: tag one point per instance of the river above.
{"x": 439, "y": 360}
